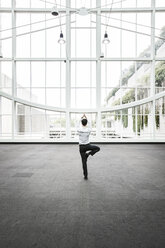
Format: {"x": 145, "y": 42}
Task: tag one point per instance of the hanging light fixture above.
{"x": 102, "y": 56}
{"x": 106, "y": 39}
{"x": 54, "y": 11}
{"x": 61, "y": 41}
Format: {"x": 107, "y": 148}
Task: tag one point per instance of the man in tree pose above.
{"x": 85, "y": 148}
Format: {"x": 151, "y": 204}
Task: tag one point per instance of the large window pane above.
{"x": 38, "y": 74}
{"x": 142, "y": 74}
{"x": 160, "y": 118}
{"x": 83, "y": 98}
{"x": 23, "y": 121}
{"x": 6, "y": 77}
{"x": 38, "y": 94}
{"x": 5, "y": 3}
{"x": 128, "y": 95}
{"x": 83, "y": 74}
{"x": 55, "y": 74}
{"x": 144, "y": 26}
{"x": 129, "y": 4}
{"x": 6, "y": 32}
{"x": 6, "y": 106}
{"x": 111, "y": 96}
{"x": 110, "y": 74}
{"x": 111, "y": 125}
{"x": 113, "y": 49}
{"x": 56, "y": 125}
{"x": 38, "y": 38}
{"x": 160, "y": 33}
{"x": 79, "y": 3}
{"x": 53, "y": 48}
{"x": 83, "y": 38}
{"x": 55, "y": 97}
{"x": 23, "y": 3}
{"x": 6, "y": 126}
{"x": 105, "y": 3}
{"x": 38, "y": 124}
{"x": 128, "y": 123}
{"x": 128, "y": 48}
{"x": 23, "y": 74}
{"x": 5, "y": 118}
{"x": 159, "y": 3}
{"x": 23, "y": 41}
{"x": 24, "y": 93}
{"x": 128, "y": 73}
{"x": 159, "y": 76}
{"x": 38, "y": 51}
{"x": 143, "y": 4}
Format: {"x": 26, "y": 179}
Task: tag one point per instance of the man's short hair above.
{"x": 84, "y": 122}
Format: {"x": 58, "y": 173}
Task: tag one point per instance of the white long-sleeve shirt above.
{"x": 84, "y": 132}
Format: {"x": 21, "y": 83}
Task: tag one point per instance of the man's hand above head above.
{"x": 84, "y": 117}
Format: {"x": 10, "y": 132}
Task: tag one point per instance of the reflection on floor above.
{"x": 45, "y": 202}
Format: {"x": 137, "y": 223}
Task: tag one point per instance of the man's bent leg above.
{"x": 93, "y": 149}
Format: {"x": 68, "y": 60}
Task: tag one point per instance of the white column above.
{"x": 98, "y": 70}
{"x": 68, "y": 71}
{"x": 153, "y": 68}
{"x": 0, "y": 116}
{"x": 0, "y": 80}
{"x": 13, "y": 69}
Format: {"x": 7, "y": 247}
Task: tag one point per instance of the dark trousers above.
{"x": 84, "y": 155}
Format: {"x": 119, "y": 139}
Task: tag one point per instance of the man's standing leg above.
{"x": 84, "y": 162}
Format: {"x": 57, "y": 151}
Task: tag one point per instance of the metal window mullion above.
{"x": 30, "y": 121}
{"x": 30, "y": 77}
{"x": 75, "y": 96}
{"x": 84, "y": 59}
{"x": 106, "y": 90}
{"x": 13, "y": 70}
{"x": 121, "y": 66}
{"x": 46, "y": 125}
{"x": 98, "y": 70}
{"x": 45, "y": 57}
{"x": 60, "y": 76}
{"x": 34, "y": 10}
{"x": 91, "y": 53}
{"x": 0, "y": 82}
{"x": 45, "y": 112}
{"x": 60, "y": 82}
{"x": 0, "y": 114}
{"x": 126, "y": 10}
{"x": 68, "y": 71}
{"x": 103, "y": 10}
{"x": 136, "y": 77}
{"x": 30, "y": 60}
{"x": 153, "y": 68}
{"x": 91, "y": 95}
{"x": 136, "y": 100}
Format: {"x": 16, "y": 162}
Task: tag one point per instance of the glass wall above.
{"x": 130, "y": 123}
{"x": 39, "y": 124}
{"x": 45, "y": 87}
{"x": 5, "y": 118}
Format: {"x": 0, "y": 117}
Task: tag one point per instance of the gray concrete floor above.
{"x": 46, "y": 203}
